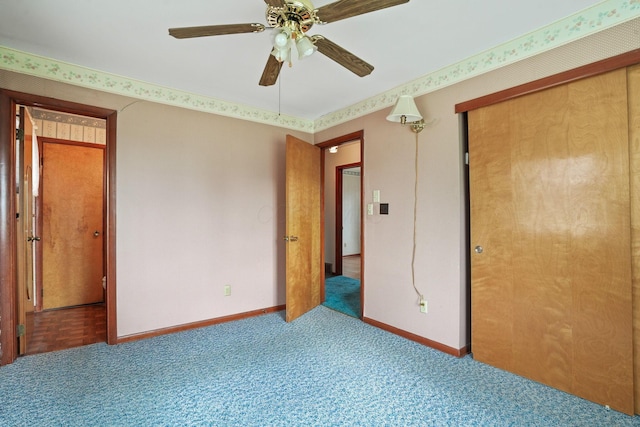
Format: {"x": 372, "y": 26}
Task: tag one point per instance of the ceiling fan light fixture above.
{"x": 282, "y": 39}
{"x": 291, "y": 20}
{"x": 282, "y": 55}
{"x": 305, "y": 47}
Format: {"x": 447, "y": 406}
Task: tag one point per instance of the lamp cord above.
{"x": 415, "y": 220}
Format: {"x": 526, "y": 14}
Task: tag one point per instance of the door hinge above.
{"x": 466, "y": 158}
{"x": 19, "y": 134}
{"x": 21, "y": 330}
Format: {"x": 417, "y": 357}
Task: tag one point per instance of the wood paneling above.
{"x": 551, "y": 290}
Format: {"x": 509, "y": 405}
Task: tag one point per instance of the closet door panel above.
{"x": 491, "y": 209}
{"x": 600, "y": 233}
{"x": 633, "y": 99}
{"x": 541, "y": 246}
{"x": 551, "y": 290}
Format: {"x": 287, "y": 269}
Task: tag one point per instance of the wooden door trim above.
{"x": 589, "y": 70}
{"x": 8, "y": 100}
{"x": 8, "y": 344}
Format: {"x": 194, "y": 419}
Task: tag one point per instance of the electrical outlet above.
{"x": 227, "y": 290}
{"x": 423, "y": 306}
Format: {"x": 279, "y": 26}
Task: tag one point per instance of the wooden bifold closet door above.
{"x": 551, "y": 261}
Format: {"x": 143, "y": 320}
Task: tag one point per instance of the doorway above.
{"x": 61, "y": 126}
{"x": 61, "y": 225}
{"x": 343, "y": 176}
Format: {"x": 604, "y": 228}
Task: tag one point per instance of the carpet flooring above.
{"x": 324, "y": 369}
{"x": 343, "y": 294}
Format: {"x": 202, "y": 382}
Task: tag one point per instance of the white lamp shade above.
{"x": 305, "y": 47}
{"x": 405, "y": 107}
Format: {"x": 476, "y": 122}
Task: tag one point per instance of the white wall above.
{"x": 351, "y": 211}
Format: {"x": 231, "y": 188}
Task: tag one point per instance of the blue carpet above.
{"x": 343, "y": 294}
{"x": 324, "y": 369}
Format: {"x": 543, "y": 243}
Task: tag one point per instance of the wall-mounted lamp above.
{"x": 333, "y": 149}
{"x": 406, "y": 112}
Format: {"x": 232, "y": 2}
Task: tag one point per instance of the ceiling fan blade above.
{"x": 343, "y": 9}
{"x": 275, "y": 3}
{"x": 271, "y": 71}
{"x": 214, "y": 30}
{"x": 342, "y": 56}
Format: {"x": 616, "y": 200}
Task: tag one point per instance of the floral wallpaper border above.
{"x": 55, "y": 116}
{"x": 597, "y": 18}
{"x": 606, "y": 14}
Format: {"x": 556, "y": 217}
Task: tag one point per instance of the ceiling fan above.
{"x": 292, "y": 19}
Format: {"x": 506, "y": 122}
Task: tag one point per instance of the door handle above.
{"x": 33, "y": 239}
{"x": 96, "y": 233}
{"x": 479, "y": 249}
{"x": 290, "y": 238}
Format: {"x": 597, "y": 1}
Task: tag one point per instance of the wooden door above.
{"x": 633, "y": 82}
{"x": 304, "y": 257}
{"x": 72, "y": 225}
{"x": 550, "y": 238}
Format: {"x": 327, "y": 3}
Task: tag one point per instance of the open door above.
{"x": 304, "y": 256}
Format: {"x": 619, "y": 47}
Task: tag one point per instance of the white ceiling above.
{"x": 129, "y": 38}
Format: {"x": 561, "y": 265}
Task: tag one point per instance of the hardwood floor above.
{"x": 351, "y": 266}
{"x": 65, "y": 328}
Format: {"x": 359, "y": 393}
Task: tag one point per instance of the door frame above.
{"x": 8, "y": 234}
{"x": 339, "y": 224}
{"x": 325, "y": 145}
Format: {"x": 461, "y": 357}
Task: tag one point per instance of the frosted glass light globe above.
{"x": 281, "y": 39}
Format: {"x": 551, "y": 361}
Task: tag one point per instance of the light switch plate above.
{"x": 376, "y": 196}
{"x": 370, "y": 209}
